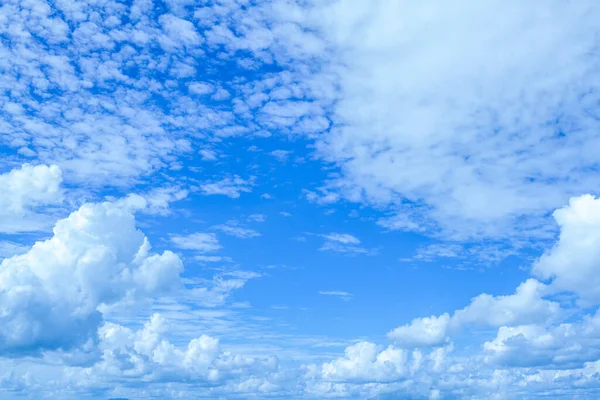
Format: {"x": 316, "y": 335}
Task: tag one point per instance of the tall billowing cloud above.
{"x": 573, "y": 263}
{"x": 51, "y": 297}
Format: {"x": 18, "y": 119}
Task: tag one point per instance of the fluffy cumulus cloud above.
{"x": 526, "y": 305}
{"x": 567, "y": 345}
{"x": 468, "y": 122}
{"x": 574, "y": 261}
{"x": 363, "y": 361}
{"x": 147, "y": 354}
{"x": 52, "y": 296}
{"x": 421, "y": 332}
{"x": 23, "y": 191}
{"x": 256, "y": 218}
{"x": 537, "y": 342}
{"x": 367, "y": 370}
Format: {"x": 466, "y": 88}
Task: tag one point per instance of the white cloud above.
{"x": 435, "y": 251}
{"x": 344, "y": 243}
{"x": 567, "y": 345}
{"x": 215, "y": 292}
{"x": 342, "y": 295}
{"x": 427, "y": 331}
{"x": 573, "y": 263}
{"x": 180, "y": 30}
{"x": 323, "y": 197}
{"x": 363, "y": 362}
{"x": 213, "y": 259}
{"x": 199, "y": 241}
{"x": 485, "y": 139}
{"x": 281, "y": 155}
{"x": 230, "y": 187}
{"x": 146, "y": 353}
{"x": 526, "y": 305}
{"x": 466, "y": 255}
{"x": 523, "y": 339}
{"x": 100, "y": 118}
{"x": 456, "y": 107}
{"x": 233, "y": 229}
{"x": 30, "y": 186}
{"x": 346, "y": 249}
{"x": 221, "y": 94}
{"x": 8, "y": 249}
{"x": 208, "y": 155}
{"x": 343, "y": 238}
{"x": 158, "y": 200}
{"x": 52, "y": 296}
{"x": 532, "y": 345}
{"x": 23, "y": 191}
{"x": 256, "y": 217}
{"x": 200, "y": 88}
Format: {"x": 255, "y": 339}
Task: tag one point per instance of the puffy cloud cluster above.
{"x": 113, "y": 91}
{"x": 526, "y": 305}
{"x": 366, "y": 370}
{"x": 538, "y": 344}
{"x": 482, "y": 142}
{"x": 106, "y": 260}
{"x": 567, "y": 345}
{"x": 363, "y": 361}
{"x": 422, "y": 332}
{"x": 146, "y": 354}
{"x": 55, "y": 299}
{"x": 52, "y": 296}
{"x": 23, "y": 191}
{"x": 573, "y": 264}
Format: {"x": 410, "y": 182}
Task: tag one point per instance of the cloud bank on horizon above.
{"x": 299, "y": 199}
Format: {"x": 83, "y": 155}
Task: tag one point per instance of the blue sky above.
{"x": 299, "y": 199}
